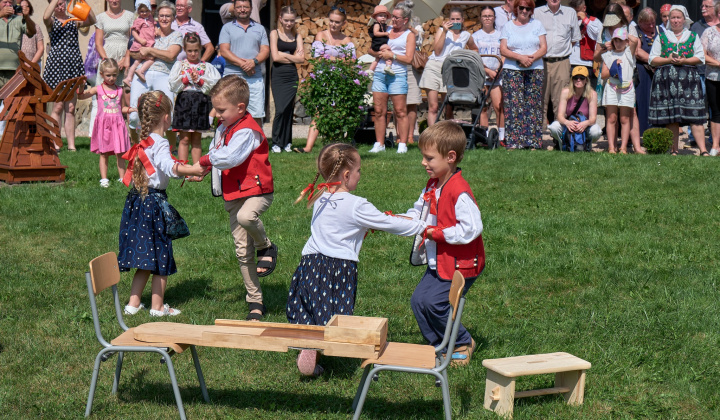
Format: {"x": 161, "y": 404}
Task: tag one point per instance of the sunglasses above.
{"x": 525, "y": 9}
{"x": 578, "y": 77}
{"x": 339, "y": 9}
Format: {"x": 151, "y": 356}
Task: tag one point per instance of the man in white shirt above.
{"x": 591, "y": 30}
{"x": 563, "y": 30}
{"x": 504, "y": 14}
{"x": 185, "y": 24}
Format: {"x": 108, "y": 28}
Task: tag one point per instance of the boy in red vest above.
{"x": 453, "y": 238}
{"x": 240, "y": 151}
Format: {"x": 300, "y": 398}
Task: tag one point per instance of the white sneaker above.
{"x": 131, "y": 310}
{"x": 104, "y": 182}
{"x": 714, "y": 152}
{"x": 377, "y": 147}
{"x": 288, "y": 148}
{"x": 166, "y": 310}
{"x": 276, "y": 149}
{"x": 402, "y": 148}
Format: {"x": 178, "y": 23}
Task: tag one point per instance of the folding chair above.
{"x": 418, "y": 358}
{"x": 104, "y": 273}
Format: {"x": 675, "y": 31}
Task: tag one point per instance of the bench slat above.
{"x": 536, "y": 364}
{"x": 544, "y": 391}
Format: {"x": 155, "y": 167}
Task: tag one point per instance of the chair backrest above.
{"x": 456, "y": 290}
{"x": 104, "y": 272}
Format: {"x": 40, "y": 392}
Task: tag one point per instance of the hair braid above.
{"x": 152, "y": 107}
{"x": 308, "y": 189}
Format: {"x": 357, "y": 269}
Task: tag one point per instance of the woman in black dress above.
{"x": 64, "y": 59}
{"x": 286, "y": 47}
{"x": 647, "y": 34}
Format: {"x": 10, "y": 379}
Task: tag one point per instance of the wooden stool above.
{"x": 500, "y": 383}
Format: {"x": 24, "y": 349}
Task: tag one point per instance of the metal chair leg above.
{"x": 118, "y": 368}
{"x": 201, "y": 378}
{"x": 363, "y": 394}
{"x": 173, "y": 379}
{"x": 446, "y": 395}
{"x": 93, "y": 383}
{"x": 360, "y": 386}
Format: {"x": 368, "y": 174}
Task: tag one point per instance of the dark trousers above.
{"x": 431, "y": 307}
{"x": 284, "y": 87}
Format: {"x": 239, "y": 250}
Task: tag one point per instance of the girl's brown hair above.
{"x": 288, "y": 10}
{"x": 191, "y": 38}
{"x": 152, "y": 107}
{"x": 332, "y": 160}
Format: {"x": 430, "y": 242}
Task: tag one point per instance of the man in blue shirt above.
{"x": 244, "y": 45}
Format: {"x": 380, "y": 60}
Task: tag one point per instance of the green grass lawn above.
{"x": 610, "y": 258}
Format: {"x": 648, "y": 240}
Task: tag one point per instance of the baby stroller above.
{"x": 464, "y": 75}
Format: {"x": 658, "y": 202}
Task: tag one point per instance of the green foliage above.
{"x": 334, "y": 95}
{"x": 620, "y": 270}
{"x": 657, "y": 141}
{"x": 422, "y": 125}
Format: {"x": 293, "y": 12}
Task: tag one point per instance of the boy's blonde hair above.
{"x": 233, "y": 88}
{"x": 332, "y": 160}
{"x": 152, "y": 107}
{"x": 445, "y": 136}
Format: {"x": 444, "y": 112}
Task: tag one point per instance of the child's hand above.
{"x": 197, "y": 169}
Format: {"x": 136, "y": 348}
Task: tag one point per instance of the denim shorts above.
{"x": 256, "y": 85}
{"x": 393, "y": 85}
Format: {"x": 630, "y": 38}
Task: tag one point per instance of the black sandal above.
{"x": 298, "y": 150}
{"x": 254, "y": 316}
{"x": 704, "y": 154}
{"x": 271, "y": 251}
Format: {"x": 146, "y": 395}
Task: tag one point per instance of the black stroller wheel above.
{"x": 493, "y": 139}
{"x": 389, "y": 141}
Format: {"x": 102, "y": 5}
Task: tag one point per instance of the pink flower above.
{"x": 357, "y": 82}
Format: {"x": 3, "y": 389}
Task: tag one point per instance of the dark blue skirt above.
{"x": 321, "y": 287}
{"x": 143, "y": 243}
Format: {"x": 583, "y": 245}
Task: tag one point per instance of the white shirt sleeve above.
{"x": 594, "y": 30}
{"x": 162, "y": 159}
{"x": 242, "y": 143}
{"x": 368, "y": 216}
{"x": 654, "y": 50}
{"x": 469, "y": 222}
{"x": 698, "y": 50}
{"x": 416, "y": 210}
{"x": 211, "y": 77}
{"x": 175, "y": 79}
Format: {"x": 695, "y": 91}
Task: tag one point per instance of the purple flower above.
{"x": 326, "y": 56}
{"x": 312, "y": 75}
{"x": 361, "y": 108}
{"x": 302, "y": 81}
{"x": 362, "y": 73}
{"x": 356, "y": 81}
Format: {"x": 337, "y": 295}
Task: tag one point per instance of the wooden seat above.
{"x": 128, "y": 339}
{"x": 405, "y": 354}
{"x": 500, "y": 392}
{"x": 103, "y": 274}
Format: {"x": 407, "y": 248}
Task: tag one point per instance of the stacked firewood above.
{"x": 313, "y": 18}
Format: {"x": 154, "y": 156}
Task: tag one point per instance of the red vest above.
{"x": 254, "y": 176}
{"x": 587, "y": 45}
{"x": 469, "y": 258}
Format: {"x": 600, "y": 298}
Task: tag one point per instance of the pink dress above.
{"x": 110, "y": 134}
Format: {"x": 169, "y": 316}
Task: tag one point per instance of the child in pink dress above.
{"x": 110, "y": 134}
{"x": 143, "y": 32}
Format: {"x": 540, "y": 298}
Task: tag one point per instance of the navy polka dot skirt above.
{"x": 321, "y": 287}
{"x": 143, "y": 243}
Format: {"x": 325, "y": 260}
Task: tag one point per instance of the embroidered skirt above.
{"x": 143, "y": 243}
{"x": 321, "y": 287}
{"x": 676, "y": 96}
{"x": 191, "y": 113}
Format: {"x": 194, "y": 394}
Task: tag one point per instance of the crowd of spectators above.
{"x": 561, "y": 67}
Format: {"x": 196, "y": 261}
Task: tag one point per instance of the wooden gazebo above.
{"x": 27, "y": 147}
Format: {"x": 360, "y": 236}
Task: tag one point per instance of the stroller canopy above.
{"x": 464, "y": 75}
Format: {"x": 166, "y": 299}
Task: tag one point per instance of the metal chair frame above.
{"x": 441, "y": 361}
{"x": 109, "y": 349}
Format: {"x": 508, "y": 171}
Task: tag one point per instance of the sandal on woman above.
{"x": 254, "y": 316}
{"x": 673, "y": 153}
{"x": 298, "y": 150}
{"x": 704, "y": 154}
{"x": 272, "y": 252}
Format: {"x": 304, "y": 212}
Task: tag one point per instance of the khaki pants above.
{"x": 249, "y": 234}
{"x": 557, "y": 77}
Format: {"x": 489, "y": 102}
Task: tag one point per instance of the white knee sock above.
{"x": 501, "y": 133}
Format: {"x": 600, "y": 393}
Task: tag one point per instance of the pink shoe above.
{"x": 307, "y": 363}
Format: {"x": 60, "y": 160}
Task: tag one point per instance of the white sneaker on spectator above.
{"x": 377, "y": 147}
{"x": 714, "y": 152}
{"x": 402, "y": 148}
{"x": 288, "y": 148}
{"x": 166, "y": 310}
{"x": 104, "y": 182}
{"x": 276, "y": 149}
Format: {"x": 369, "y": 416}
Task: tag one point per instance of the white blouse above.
{"x": 451, "y": 44}
{"x": 341, "y": 220}
{"x": 698, "y": 50}
{"x": 181, "y": 69}
{"x": 159, "y": 156}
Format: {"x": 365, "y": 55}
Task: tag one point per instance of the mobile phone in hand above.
{"x": 674, "y": 55}
{"x": 456, "y": 26}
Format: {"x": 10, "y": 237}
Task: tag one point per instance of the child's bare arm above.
{"x": 138, "y": 38}
{"x": 88, "y": 93}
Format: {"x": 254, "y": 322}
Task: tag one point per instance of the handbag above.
{"x": 419, "y": 60}
{"x": 175, "y": 226}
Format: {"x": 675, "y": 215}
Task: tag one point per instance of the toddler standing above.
{"x": 380, "y": 36}
{"x": 144, "y": 243}
{"x": 109, "y": 134}
{"x": 192, "y": 80}
{"x": 143, "y": 33}
{"x": 325, "y": 282}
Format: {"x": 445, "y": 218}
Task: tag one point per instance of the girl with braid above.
{"x": 325, "y": 282}
{"x": 144, "y": 244}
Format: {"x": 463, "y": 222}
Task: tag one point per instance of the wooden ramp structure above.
{"x": 344, "y": 336}
{"x": 27, "y": 147}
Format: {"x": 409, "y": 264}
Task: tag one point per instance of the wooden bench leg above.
{"x": 575, "y": 380}
{"x": 499, "y": 394}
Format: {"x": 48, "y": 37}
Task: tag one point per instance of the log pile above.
{"x": 312, "y": 18}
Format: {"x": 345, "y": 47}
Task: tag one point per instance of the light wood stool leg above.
{"x": 575, "y": 380}
{"x": 499, "y": 394}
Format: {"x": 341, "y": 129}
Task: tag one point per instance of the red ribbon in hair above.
{"x": 312, "y": 190}
{"x": 139, "y": 151}
{"x": 429, "y": 196}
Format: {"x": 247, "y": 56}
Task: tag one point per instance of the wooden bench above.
{"x": 500, "y": 383}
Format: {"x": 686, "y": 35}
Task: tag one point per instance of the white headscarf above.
{"x": 684, "y": 11}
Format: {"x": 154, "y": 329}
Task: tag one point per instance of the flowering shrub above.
{"x": 334, "y": 95}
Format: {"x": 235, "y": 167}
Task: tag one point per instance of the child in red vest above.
{"x": 240, "y": 151}
{"x": 452, "y": 240}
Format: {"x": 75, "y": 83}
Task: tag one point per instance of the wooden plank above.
{"x": 544, "y": 391}
{"x": 11, "y": 109}
{"x": 536, "y": 364}
{"x": 255, "y": 324}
